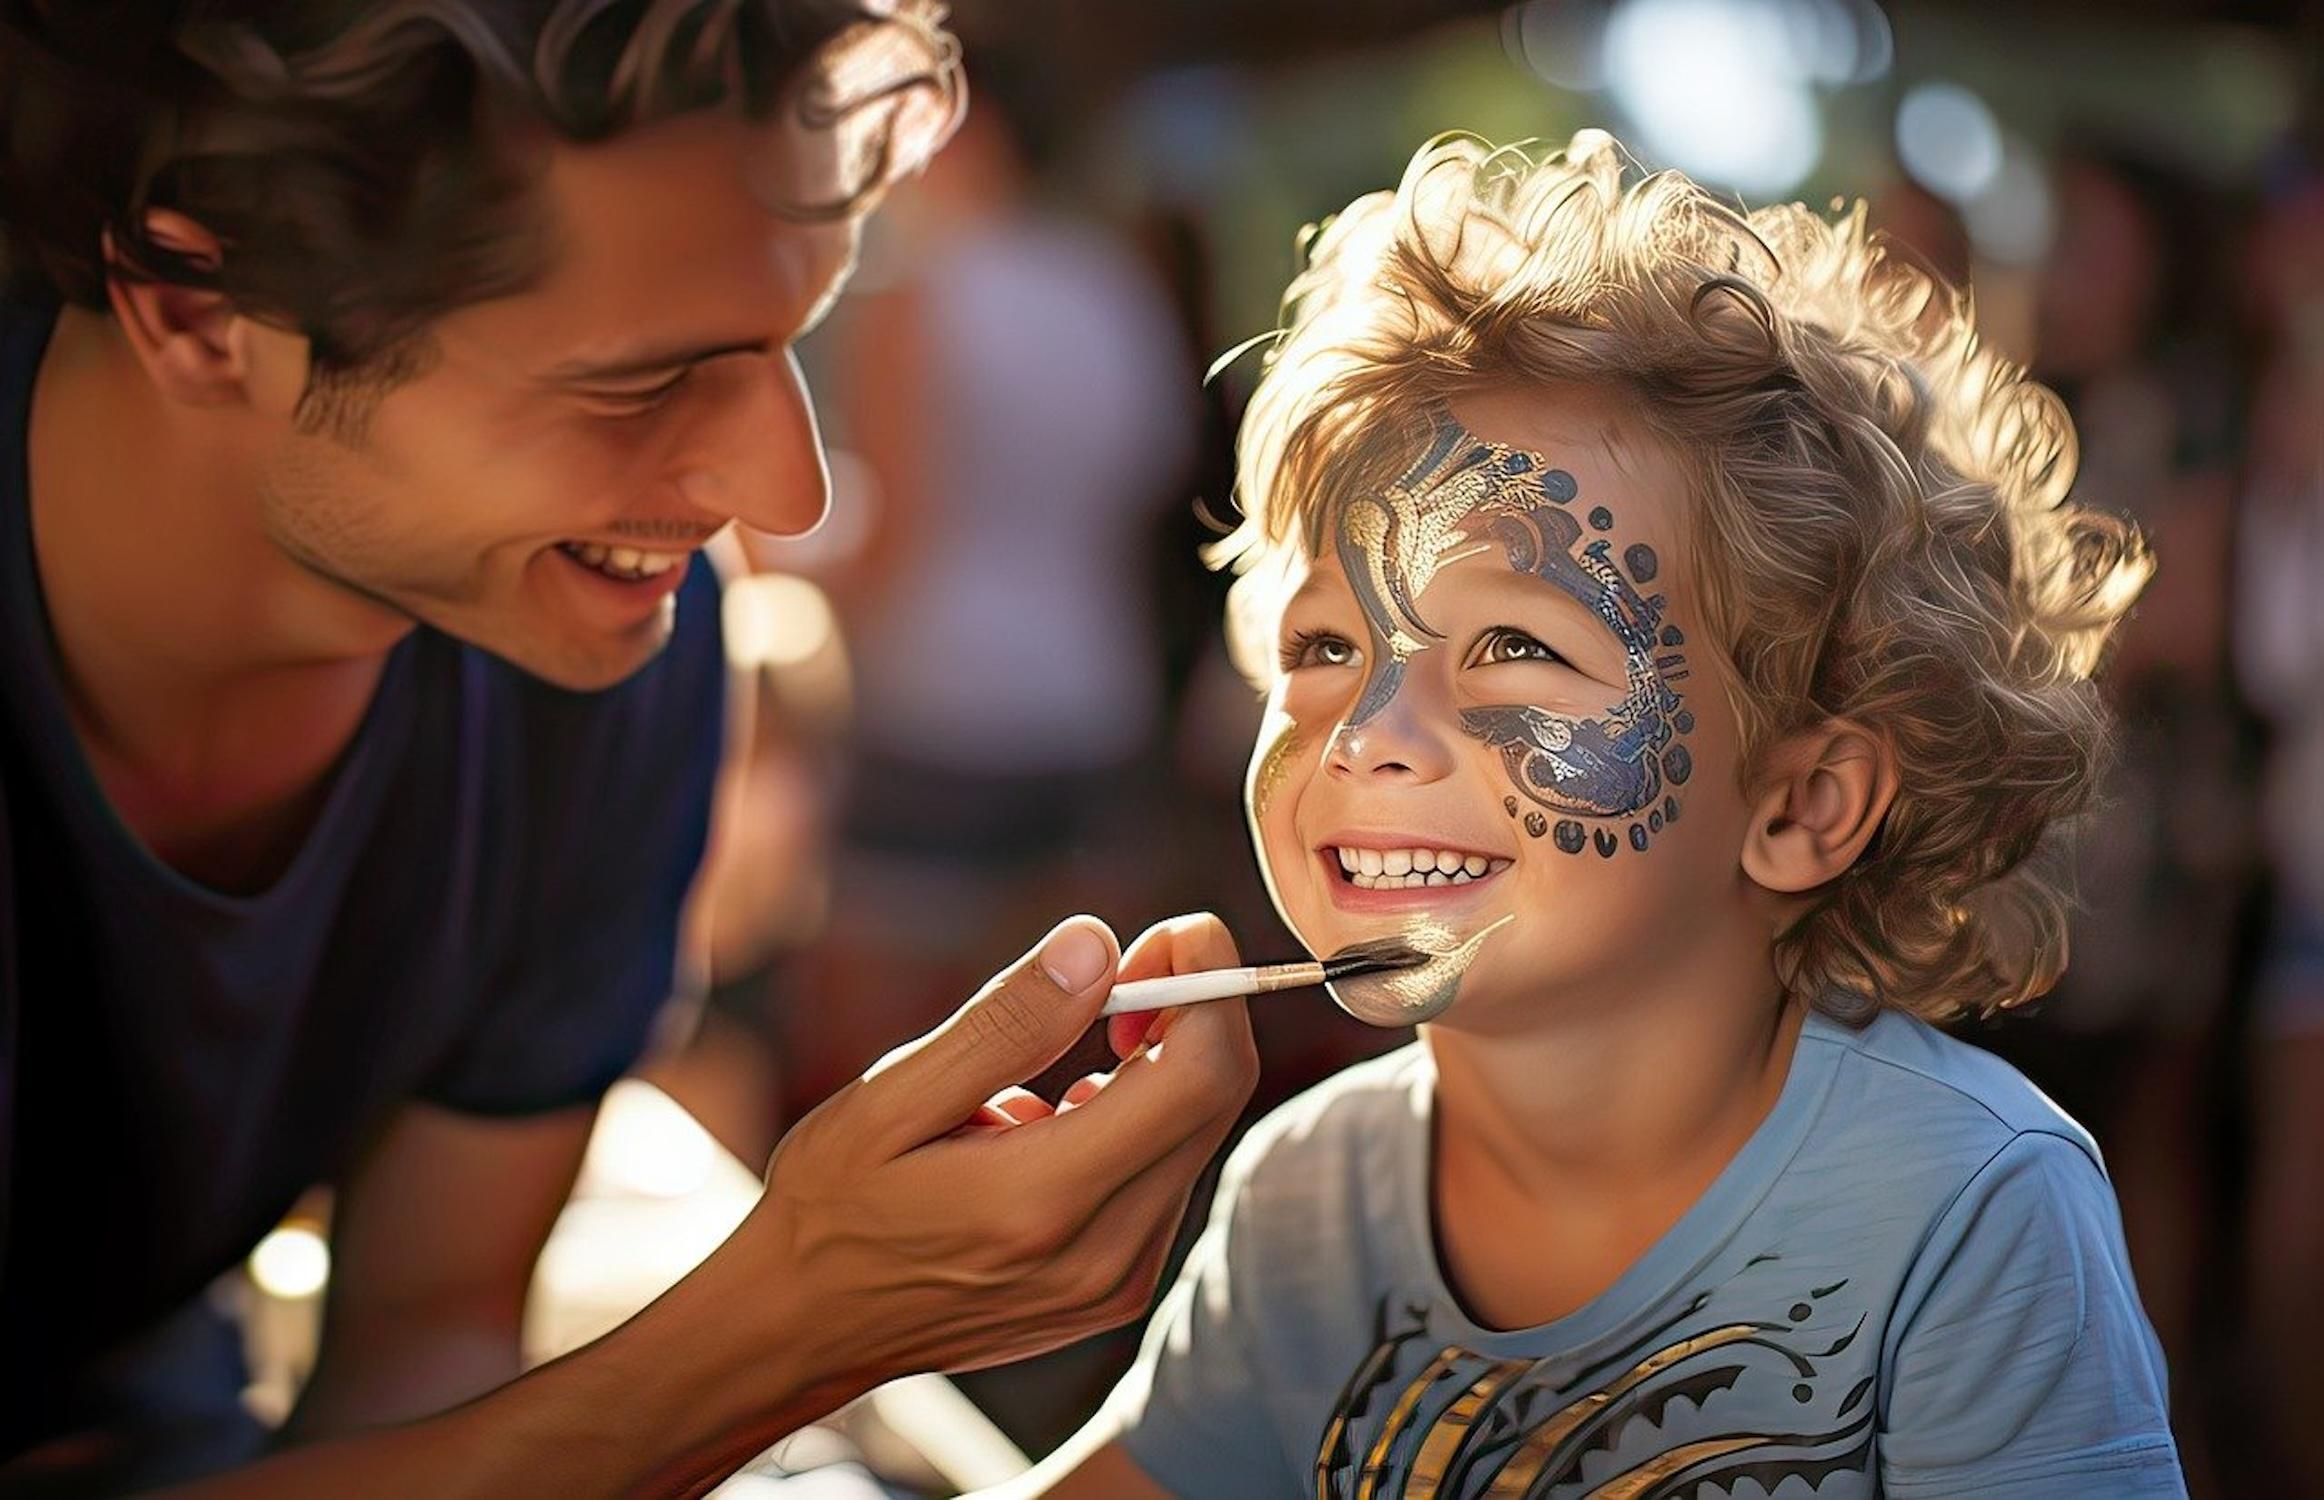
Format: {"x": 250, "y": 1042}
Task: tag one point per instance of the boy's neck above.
{"x": 1562, "y": 1153}
{"x": 1622, "y": 1095}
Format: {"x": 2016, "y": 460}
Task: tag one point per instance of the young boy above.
{"x": 1681, "y": 611}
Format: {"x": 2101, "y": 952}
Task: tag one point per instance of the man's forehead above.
{"x": 658, "y": 241}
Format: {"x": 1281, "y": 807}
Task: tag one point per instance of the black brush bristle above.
{"x": 1374, "y": 957}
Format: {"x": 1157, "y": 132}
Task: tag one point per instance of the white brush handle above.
{"x": 1215, "y": 984}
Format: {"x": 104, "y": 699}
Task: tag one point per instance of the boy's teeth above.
{"x": 1403, "y": 869}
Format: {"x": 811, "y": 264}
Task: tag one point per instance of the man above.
{"x": 371, "y": 376}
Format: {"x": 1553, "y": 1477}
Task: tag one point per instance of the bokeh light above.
{"x": 291, "y": 1263}
{"x": 777, "y": 620}
{"x": 1948, "y": 140}
{"x": 1717, "y": 90}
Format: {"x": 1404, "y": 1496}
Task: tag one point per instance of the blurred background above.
{"x": 991, "y": 690}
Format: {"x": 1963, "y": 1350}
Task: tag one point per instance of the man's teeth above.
{"x": 1401, "y": 869}
{"x": 623, "y": 562}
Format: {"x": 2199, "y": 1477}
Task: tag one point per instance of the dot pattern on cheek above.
{"x": 1465, "y": 494}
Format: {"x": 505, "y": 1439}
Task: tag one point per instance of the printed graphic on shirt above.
{"x": 1639, "y": 1424}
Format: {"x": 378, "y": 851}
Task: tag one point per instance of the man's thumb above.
{"x": 1016, "y": 1026}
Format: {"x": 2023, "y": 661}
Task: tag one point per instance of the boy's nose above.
{"x": 1404, "y": 741}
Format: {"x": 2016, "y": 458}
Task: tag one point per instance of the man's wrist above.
{"x": 744, "y": 1350}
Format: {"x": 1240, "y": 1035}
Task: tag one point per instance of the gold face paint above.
{"x": 1272, "y": 768}
{"x": 1407, "y": 997}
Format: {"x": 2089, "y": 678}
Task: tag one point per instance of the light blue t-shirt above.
{"x": 1910, "y": 1281}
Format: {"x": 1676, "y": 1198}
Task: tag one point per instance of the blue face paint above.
{"x": 1465, "y": 493}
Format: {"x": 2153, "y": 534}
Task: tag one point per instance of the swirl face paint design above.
{"x": 1465, "y": 495}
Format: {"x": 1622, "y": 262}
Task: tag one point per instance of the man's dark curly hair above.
{"x": 362, "y": 162}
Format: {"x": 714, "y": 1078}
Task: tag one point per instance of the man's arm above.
{"x": 434, "y": 1240}
{"x": 888, "y": 1242}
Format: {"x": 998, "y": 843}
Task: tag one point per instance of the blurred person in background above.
{"x": 2164, "y": 865}
{"x": 1022, "y": 398}
{"x": 763, "y": 894}
{"x": 2279, "y": 591}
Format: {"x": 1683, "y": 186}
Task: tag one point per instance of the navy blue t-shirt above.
{"x": 483, "y": 917}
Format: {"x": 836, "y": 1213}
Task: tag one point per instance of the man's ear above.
{"x": 1828, "y": 790}
{"x": 194, "y": 344}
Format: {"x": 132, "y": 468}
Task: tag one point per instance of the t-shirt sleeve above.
{"x": 1189, "y": 1411}
{"x": 613, "y": 792}
{"x": 2024, "y": 1365}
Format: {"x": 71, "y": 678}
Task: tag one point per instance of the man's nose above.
{"x": 760, "y": 459}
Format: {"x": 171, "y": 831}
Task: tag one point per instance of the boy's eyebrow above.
{"x": 1316, "y": 585}
{"x": 653, "y": 360}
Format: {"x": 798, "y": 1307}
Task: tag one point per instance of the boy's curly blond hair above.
{"x": 1878, "y": 509}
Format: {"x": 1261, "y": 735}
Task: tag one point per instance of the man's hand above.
{"x": 925, "y": 1246}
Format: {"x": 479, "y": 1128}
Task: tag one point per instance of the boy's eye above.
{"x": 1318, "y": 648}
{"x": 1513, "y": 645}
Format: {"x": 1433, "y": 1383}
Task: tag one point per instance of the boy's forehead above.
{"x": 1591, "y": 439}
{"x": 1613, "y": 460}
{"x": 1495, "y": 450}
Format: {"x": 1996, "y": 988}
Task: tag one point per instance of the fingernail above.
{"x": 1074, "y": 958}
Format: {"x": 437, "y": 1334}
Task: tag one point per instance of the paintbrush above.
{"x": 1378, "y": 956}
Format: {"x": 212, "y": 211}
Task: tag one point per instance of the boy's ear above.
{"x": 1827, "y": 791}
{"x": 197, "y": 348}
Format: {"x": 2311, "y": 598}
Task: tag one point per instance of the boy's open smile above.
{"x": 1402, "y": 872}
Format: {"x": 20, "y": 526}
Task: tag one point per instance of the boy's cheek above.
{"x": 1278, "y": 748}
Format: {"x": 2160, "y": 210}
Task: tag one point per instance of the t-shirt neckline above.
{"x": 1709, "y": 1223}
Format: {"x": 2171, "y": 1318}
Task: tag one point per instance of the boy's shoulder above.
{"x": 1352, "y": 1142}
{"x": 1381, "y": 1096}
{"x": 1896, "y": 1085}
{"x": 1900, "y": 1082}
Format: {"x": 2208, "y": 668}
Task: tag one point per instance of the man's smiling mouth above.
{"x": 624, "y": 564}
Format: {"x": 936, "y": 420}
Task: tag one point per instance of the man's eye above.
{"x": 641, "y": 399}
{"x": 1318, "y": 648}
{"x": 1513, "y": 645}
